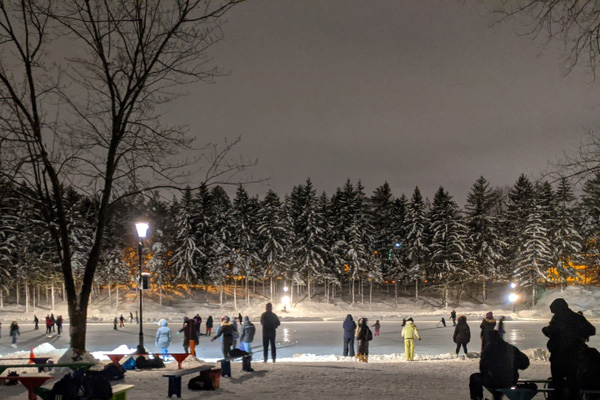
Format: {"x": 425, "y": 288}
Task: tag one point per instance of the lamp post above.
{"x": 142, "y": 230}
{"x": 513, "y": 297}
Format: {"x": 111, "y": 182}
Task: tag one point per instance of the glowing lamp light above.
{"x": 513, "y": 297}
{"x": 142, "y": 229}
{"x": 285, "y": 289}
{"x": 513, "y": 285}
{"x": 285, "y": 300}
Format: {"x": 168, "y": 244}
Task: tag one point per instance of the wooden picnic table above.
{"x": 73, "y": 366}
{"x": 30, "y": 382}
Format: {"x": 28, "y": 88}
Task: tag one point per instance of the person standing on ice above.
{"x": 487, "y": 324}
{"x": 462, "y": 334}
{"x": 163, "y": 336}
{"x": 209, "y": 325}
{"x": 14, "y": 333}
{"x": 36, "y": 321}
{"x": 409, "y": 333}
{"x": 190, "y": 336}
{"x": 225, "y": 332}
{"x": 269, "y": 322}
{"x": 59, "y": 324}
{"x": 567, "y": 333}
{"x": 122, "y": 321}
{"x": 377, "y": 327}
{"x": 364, "y": 336}
{"x": 130, "y": 317}
{"x": 349, "y": 330}
{"x": 116, "y": 321}
{"x": 453, "y": 317}
{"x": 248, "y": 332}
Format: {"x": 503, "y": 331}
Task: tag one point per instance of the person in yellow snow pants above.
{"x": 409, "y": 333}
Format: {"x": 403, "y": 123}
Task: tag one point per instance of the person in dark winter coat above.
{"x": 190, "y": 336}
{"x": 462, "y": 334}
{"x": 487, "y": 324}
{"x": 121, "y": 321}
{"x": 567, "y": 333}
{"x": 453, "y": 317}
{"x": 498, "y": 367}
{"x": 225, "y": 331}
{"x": 247, "y": 336}
{"x": 269, "y": 322}
{"x": 377, "y": 327}
{"x": 500, "y": 329}
{"x": 59, "y": 324}
{"x": 14, "y": 333}
{"x": 209, "y": 325}
{"x": 349, "y": 331}
{"x": 198, "y": 323}
{"x": 364, "y": 336}
{"x": 36, "y": 321}
{"x": 115, "y": 322}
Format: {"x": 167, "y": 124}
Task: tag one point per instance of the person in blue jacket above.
{"x": 163, "y": 336}
{"x": 349, "y": 329}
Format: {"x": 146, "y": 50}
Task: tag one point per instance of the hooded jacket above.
{"x": 248, "y": 331}
{"x": 567, "y": 329}
{"x": 163, "y": 335}
{"x": 462, "y": 332}
{"x": 225, "y": 331}
{"x": 487, "y": 324}
{"x": 410, "y": 331}
{"x": 349, "y": 327}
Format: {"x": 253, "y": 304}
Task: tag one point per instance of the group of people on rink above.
{"x": 228, "y": 332}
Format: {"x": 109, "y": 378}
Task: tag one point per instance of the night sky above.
{"x": 423, "y": 93}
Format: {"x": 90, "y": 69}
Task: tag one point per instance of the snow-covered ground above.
{"x": 309, "y": 361}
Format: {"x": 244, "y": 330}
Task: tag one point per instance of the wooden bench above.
{"x": 226, "y": 364}
{"x": 120, "y": 391}
{"x": 522, "y": 393}
{"x": 175, "y": 378}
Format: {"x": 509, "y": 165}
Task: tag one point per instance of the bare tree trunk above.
{"x": 160, "y": 291}
{"x": 396, "y": 293}
{"x": 234, "y": 294}
{"x": 221, "y": 295}
{"x": 371, "y": 292}
{"x": 109, "y": 295}
{"x": 33, "y": 296}
{"x": 483, "y": 291}
{"x": 308, "y": 282}
{"x": 352, "y": 288}
{"x": 52, "y": 295}
{"x": 27, "y": 296}
{"x": 416, "y": 290}
{"x": 271, "y": 288}
{"x": 1, "y": 298}
{"x": 17, "y": 287}
{"x": 117, "y": 296}
{"x": 362, "y": 291}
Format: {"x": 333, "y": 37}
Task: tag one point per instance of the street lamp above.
{"x": 142, "y": 230}
{"x": 513, "y": 285}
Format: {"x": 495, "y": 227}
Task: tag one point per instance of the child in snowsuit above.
{"x": 409, "y": 333}
{"x": 163, "y": 337}
{"x": 377, "y": 326}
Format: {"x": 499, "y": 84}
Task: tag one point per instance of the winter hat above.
{"x": 489, "y": 315}
{"x": 246, "y": 319}
{"x": 410, "y": 319}
{"x": 227, "y": 319}
{"x": 558, "y": 305}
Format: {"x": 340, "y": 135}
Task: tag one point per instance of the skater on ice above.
{"x": 409, "y": 333}
{"x": 462, "y": 335}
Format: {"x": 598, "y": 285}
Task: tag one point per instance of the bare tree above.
{"x": 92, "y": 119}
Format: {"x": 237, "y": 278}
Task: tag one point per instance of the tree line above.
{"x": 533, "y": 233}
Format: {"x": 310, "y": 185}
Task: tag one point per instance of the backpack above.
{"x": 201, "y": 382}
{"x": 369, "y": 335}
{"x": 142, "y": 363}
{"x": 113, "y": 372}
{"x": 129, "y": 364}
{"x": 82, "y": 385}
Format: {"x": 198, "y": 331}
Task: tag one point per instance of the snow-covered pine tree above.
{"x": 486, "y": 245}
{"x": 397, "y": 256}
{"x": 590, "y": 227}
{"x": 449, "y": 242}
{"x": 381, "y": 214}
{"x": 520, "y": 205}
{"x": 219, "y": 255}
{"x": 535, "y": 257}
{"x": 566, "y": 240}
{"x": 416, "y": 249}
{"x": 309, "y": 236}
{"x": 273, "y": 228}
{"x": 186, "y": 252}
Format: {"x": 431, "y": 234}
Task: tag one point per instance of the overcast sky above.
{"x": 410, "y": 92}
